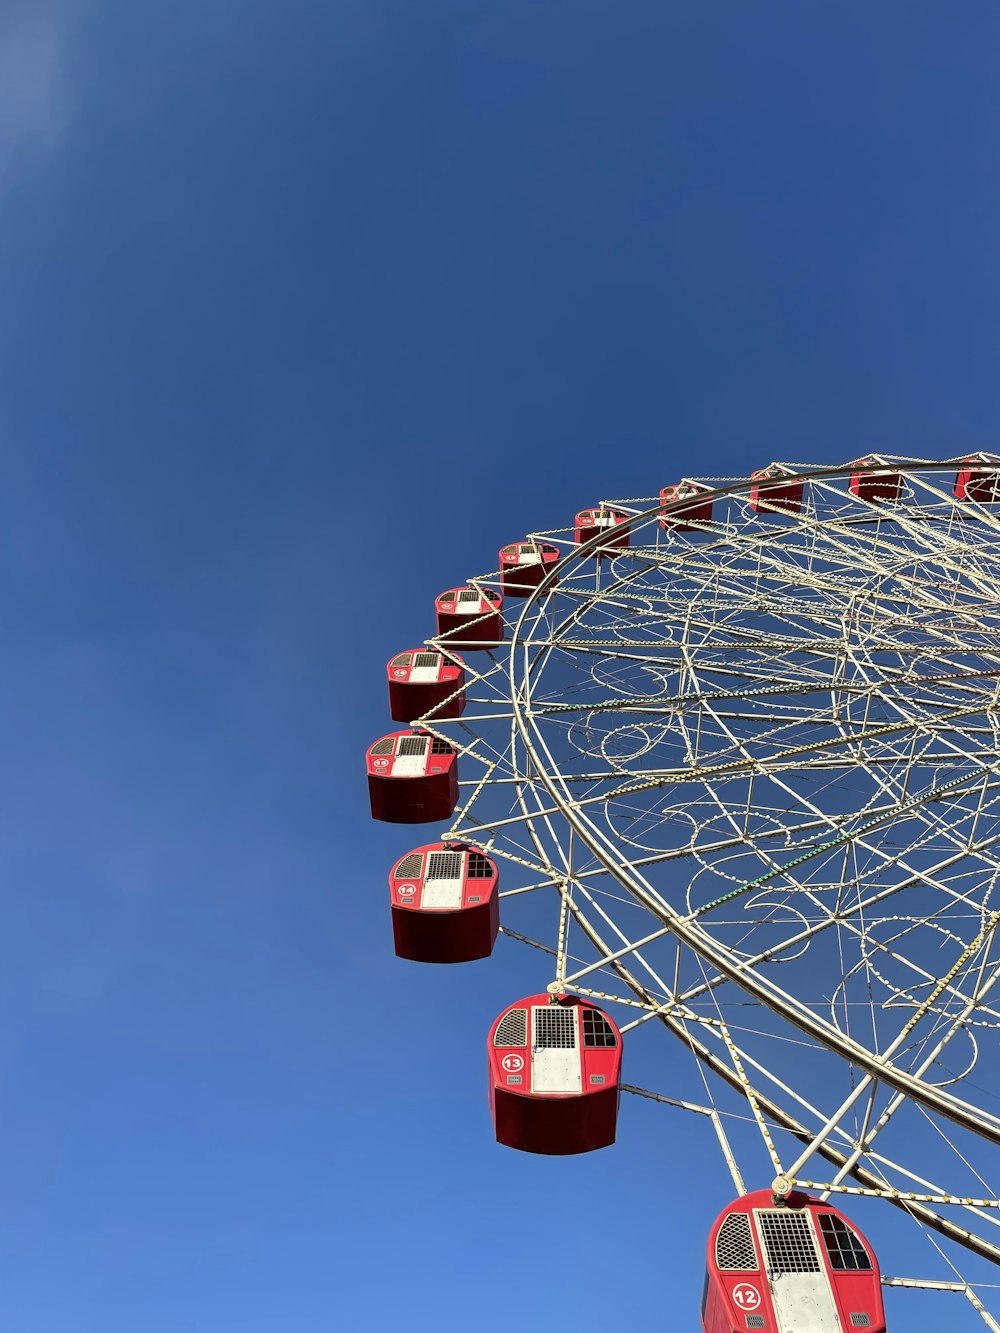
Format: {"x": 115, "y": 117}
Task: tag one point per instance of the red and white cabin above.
{"x": 423, "y": 680}
{"x": 801, "y": 1268}
{"x": 470, "y": 617}
{"x": 979, "y": 478}
{"x": 412, "y": 778}
{"x": 871, "y": 479}
{"x": 555, "y": 1063}
{"x": 445, "y": 903}
{"x": 614, "y": 522}
{"x": 772, "y": 493}
{"x": 523, "y": 565}
{"x": 692, "y": 516}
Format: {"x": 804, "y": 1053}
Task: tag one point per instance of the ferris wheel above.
{"x": 734, "y": 749}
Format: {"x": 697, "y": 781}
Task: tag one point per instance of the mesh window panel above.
{"x": 597, "y": 1031}
{"x": 479, "y": 866}
{"x": 755, "y": 1321}
{"x": 444, "y": 865}
{"x": 413, "y": 745}
{"x": 788, "y": 1241}
{"x": 427, "y": 659}
{"x": 842, "y": 1245}
{"x": 492, "y": 596}
{"x": 860, "y": 1320}
{"x": 468, "y": 595}
{"x": 513, "y": 1029}
{"x": 735, "y": 1251}
{"x": 402, "y": 659}
{"x": 510, "y": 550}
{"x": 409, "y": 867}
{"x": 383, "y": 747}
{"x": 555, "y": 1028}
{"x": 546, "y": 549}
{"x": 441, "y": 747}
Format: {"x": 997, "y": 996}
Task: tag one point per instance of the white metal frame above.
{"x": 758, "y": 758}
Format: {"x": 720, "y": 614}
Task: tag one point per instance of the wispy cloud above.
{"x": 35, "y": 105}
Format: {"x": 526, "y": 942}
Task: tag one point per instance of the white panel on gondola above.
{"x": 411, "y": 757}
{"x": 425, "y": 669}
{"x": 555, "y": 1062}
{"x": 443, "y": 881}
{"x": 800, "y": 1289}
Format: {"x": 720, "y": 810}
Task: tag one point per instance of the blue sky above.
{"x": 305, "y": 308}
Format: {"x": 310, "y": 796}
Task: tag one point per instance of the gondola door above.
{"x": 443, "y": 881}
{"x": 425, "y": 668}
{"x": 411, "y": 757}
{"x": 800, "y": 1289}
{"x": 555, "y": 1049}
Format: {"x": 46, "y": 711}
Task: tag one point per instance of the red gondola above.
{"x": 690, "y": 517}
{"x": 412, "y": 778}
{"x": 871, "y": 479}
{"x": 445, "y": 903}
{"x": 523, "y": 565}
{"x": 422, "y": 681}
{"x": 555, "y": 1062}
{"x": 771, "y": 494}
{"x": 801, "y": 1266}
{"x": 471, "y": 617}
{"x": 612, "y": 521}
{"x": 979, "y": 478}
